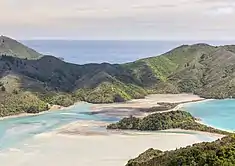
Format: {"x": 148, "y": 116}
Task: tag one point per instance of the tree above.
{"x": 15, "y": 91}
{"x": 3, "y": 88}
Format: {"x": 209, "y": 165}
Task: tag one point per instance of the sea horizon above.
{"x": 110, "y": 51}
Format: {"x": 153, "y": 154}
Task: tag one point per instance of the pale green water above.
{"x": 15, "y": 130}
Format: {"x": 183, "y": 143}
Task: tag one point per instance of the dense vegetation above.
{"x": 200, "y": 69}
{"x": 218, "y": 153}
{"x": 163, "y": 121}
{"x": 25, "y": 102}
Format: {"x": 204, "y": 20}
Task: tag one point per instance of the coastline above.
{"x": 52, "y": 109}
{"x": 201, "y": 122}
{"x": 76, "y": 141}
{"x": 131, "y": 107}
{"x": 84, "y": 127}
{"x": 135, "y": 106}
{"x": 148, "y": 102}
{"x": 182, "y": 105}
{"x": 28, "y": 114}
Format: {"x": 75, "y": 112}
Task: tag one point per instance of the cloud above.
{"x": 105, "y": 19}
{"x": 154, "y": 6}
{"x": 218, "y": 7}
{"x": 222, "y": 10}
{"x": 214, "y": 1}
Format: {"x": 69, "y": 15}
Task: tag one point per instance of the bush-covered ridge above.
{"x": 201, "y": 69}
{"x": 218, "y": 153}
{"x": 163, "y": 121}
{"x": 23, "y": 102}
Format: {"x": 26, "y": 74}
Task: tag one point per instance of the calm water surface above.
{"x": 216, "y": 113}
{"x": 14, "y": 130}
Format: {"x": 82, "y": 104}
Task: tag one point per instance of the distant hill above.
{"x": 201, "y": 69}
{"x": 13, "y": 48}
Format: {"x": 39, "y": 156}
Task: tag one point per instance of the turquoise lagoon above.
{"x": 216, "y": 113}
{"x": 16, "y": 130}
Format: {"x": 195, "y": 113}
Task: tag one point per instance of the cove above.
{"x": 216, "y": 113}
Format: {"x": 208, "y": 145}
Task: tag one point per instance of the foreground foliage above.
{"x": 218, "y": 153}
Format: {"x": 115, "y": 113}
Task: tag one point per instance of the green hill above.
{"x": 201, "y": 69}
{"x": 13, "y": 48}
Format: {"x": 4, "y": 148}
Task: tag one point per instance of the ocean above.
{"x": 91, "y": 51}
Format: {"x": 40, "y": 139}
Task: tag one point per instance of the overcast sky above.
{"x": 118, "y": 19}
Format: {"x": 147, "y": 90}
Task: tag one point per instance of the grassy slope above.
{"x": 13, "y": 48}
{"x": 201, "y": 69}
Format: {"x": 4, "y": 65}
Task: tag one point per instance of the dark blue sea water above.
{"x": 82, "y": 52}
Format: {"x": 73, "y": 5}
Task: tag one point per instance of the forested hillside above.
{"x": 201, "y": 69}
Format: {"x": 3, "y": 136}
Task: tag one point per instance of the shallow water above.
{"x": 216, "y": 113}
{"x": 15, "y": 130}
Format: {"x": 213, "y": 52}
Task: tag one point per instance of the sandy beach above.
{"x": 152, "y": 101}
{"x": 133, "y": 107}
{"x": 127, "y": 108}
{"x": 114, "y": 149}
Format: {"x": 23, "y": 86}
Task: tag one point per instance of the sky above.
{"x": 118, "y": 19}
